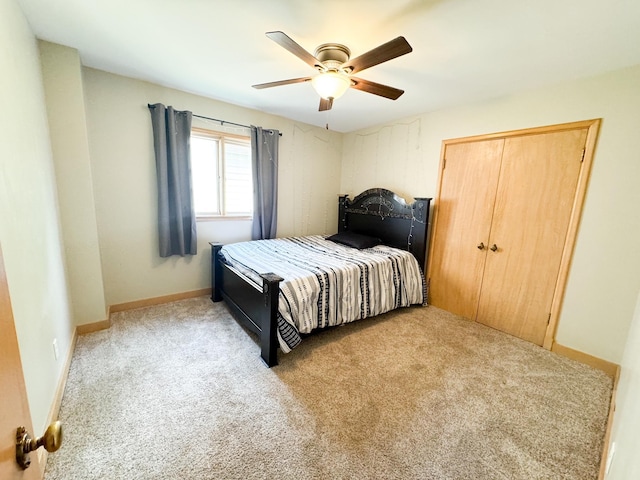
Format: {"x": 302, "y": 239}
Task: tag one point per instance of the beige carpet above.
{"x": 178, "y": 392}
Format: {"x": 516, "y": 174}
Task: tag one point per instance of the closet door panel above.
{"x": 464, "y": 207}
{"x": 534, "y": 202}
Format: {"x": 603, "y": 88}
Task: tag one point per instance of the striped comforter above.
{"x": 326, "y": 283}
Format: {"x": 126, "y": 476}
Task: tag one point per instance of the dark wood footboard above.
{"x": 255, "y": 309}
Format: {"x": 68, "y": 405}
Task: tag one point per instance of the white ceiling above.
{"x": 463, "y": 50}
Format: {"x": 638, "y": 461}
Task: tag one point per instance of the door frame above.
{"x": 592, "y": 127}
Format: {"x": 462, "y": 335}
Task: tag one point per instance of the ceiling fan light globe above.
{"x": 330, "y": 84}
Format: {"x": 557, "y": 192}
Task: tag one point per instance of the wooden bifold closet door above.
{"x": 505, "y": 221}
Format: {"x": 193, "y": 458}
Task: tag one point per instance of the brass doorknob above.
{"x": 51, "y": 441}
{"x": 480, "y": 246}
{"x": 494, "y": 247}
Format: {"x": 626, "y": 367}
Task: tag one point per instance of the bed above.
{"x": 330, "y": 269}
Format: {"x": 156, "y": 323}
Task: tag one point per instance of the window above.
{"x": 221, "y": 174}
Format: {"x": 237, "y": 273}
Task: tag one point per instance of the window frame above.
{"x": 222, "y": 138}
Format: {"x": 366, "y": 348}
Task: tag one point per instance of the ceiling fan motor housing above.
{"x": 332, "y": 55}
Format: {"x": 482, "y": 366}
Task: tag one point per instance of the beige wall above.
{"x": 623, "y": 449}
{"x": 29, "y": 223}
{"x": 64, "y": 94}
{"x": 604, "y": 281}
{"x": 124, "y": 179}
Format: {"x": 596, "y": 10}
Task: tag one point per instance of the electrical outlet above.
{"x": 612, "y": 451}
{"x": 55, "y": 348}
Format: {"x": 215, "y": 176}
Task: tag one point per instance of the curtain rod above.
{"x": 222, "y": 122}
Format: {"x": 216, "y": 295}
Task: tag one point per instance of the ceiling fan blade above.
{"x": 376, "y": 88}
{"x": 385, "y": 52}
{"x": 288, "y": 43}
{"x": 281, "y": 82}
{"x": 325, "y": 104}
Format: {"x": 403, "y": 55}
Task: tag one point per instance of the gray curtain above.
{"x": 176, "y": 216}
{"x": 264, "y": 157}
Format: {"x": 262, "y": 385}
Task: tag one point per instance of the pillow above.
{"x": 355, "y": 240}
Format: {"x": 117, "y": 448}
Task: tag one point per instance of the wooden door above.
{"x": 14, "y": 409}
{"x": 539, "y": 185}
{"x": 534, "y": 202}
{"x": 466, "y": 196}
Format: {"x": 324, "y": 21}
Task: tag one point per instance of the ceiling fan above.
{"x": 335, "y": 68}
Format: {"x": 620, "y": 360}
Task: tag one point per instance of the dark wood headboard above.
{"x": 381, "y": 213}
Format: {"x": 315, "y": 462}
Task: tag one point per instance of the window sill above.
{"x": 216, "y": 218}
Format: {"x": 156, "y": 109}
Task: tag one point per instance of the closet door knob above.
{"x": 481, "y": 246}
{"x": 494, "y": 247}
